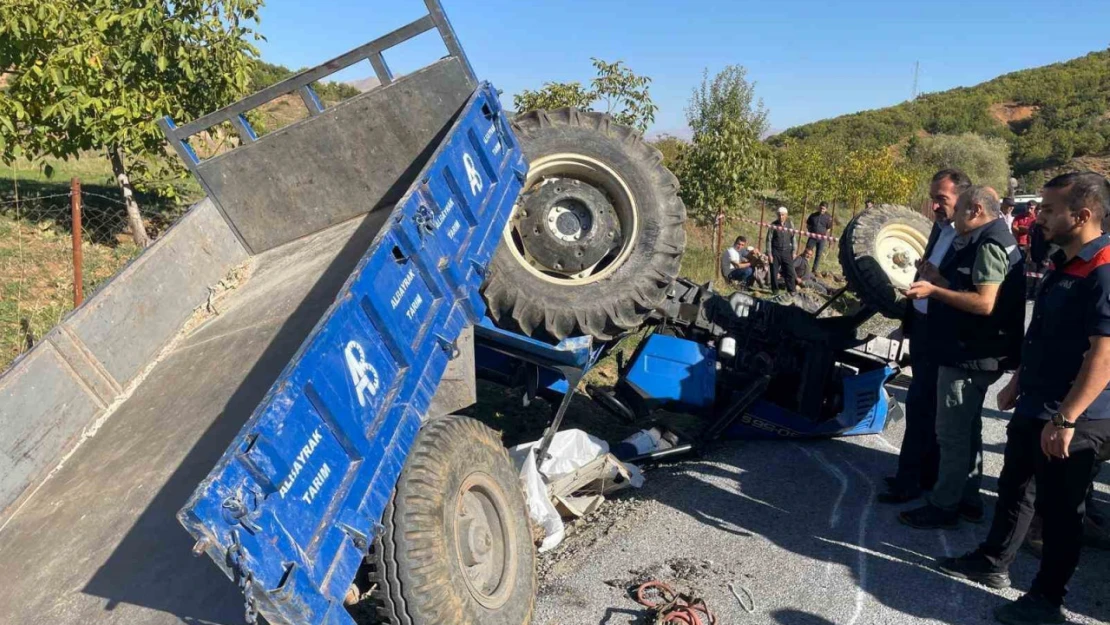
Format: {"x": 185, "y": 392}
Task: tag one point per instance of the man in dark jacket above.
{"x": 919, "y": 458}
{"x": 1060, "y": 430}
{"x": 781, "y": 246}
{"x": 977, "y": 295}
{"x": 819, "y": 222}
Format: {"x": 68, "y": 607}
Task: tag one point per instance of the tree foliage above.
{"x": 264, "y": 74}
{"x": 815, "y": 171}
{"x": 984, "y": 159}
{"x": 1065, "y": 115}
{"x": 728, "y": 95}
{"x": 95, "y": 75}
{"x": 616, "y": 90}
{"x": 726, "y": 162}
{"x": 673, "y": 150}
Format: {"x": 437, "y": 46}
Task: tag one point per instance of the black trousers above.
{"x": 919, "y": 459}
{"x": 1056, "y": 489}
{"x": 783, "y": 261}
{"x": 818, "y": 247}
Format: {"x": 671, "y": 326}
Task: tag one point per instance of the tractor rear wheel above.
{"x": 597, "y": 235}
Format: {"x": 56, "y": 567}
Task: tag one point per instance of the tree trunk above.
{"x": 134, "y": 218}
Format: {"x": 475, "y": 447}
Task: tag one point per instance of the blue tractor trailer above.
{"x": 256, "y": 420}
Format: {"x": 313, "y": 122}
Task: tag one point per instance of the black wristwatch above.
{"x": 1059, "y": 421}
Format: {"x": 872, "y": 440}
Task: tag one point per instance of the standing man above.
{"x": 1023, "y": 225}
{"x": 781, "y": 245}
{"x": 1008, "y": 211}
{"x": 919, "y": 458}
{"x": 977, "y": 304}
{"x": 819, "y": 222}
{"x": 1061, "y": 402}
{"x": 734, "y": 263}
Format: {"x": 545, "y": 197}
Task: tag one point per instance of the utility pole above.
{"x": 916, "y": 72}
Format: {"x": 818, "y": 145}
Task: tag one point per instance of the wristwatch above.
{"x": 1060, "y": 422}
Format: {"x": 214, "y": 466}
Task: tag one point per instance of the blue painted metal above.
{"x": 866, "y": 406}
{"x": 672, "y": 371}
{"x": 304, "y": 485}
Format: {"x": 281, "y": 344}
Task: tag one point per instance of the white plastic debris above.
{"x": 540, "y": 509}
{"x": 570, "y": 450}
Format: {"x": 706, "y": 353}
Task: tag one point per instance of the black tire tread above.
{"x": 857, "y": 248}
{"x": 423, "y": 594}
{"x": 627, "y": 302}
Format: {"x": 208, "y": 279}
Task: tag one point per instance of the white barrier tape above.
{"x": 811, "y": 235}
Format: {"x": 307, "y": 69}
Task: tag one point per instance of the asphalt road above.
{"x": 797, "y": 524}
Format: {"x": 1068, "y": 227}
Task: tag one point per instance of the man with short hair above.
{"x": 868, "y": 204}
{"x": 820, "y": 223}
{"x": 1061, "y": 399}
{"x": 734, "y": 263}
{"x": 1023, "y": 226}
{"x": 805, "y": 275}
{"x": 977, "y": 301}
{"x": 1008, "y": 211}
{"x": 919, "y": 458}
{"x": 781, "y": 246}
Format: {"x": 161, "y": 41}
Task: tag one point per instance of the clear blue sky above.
{"x": 811, "y": 59}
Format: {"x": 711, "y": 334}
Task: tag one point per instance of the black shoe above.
{"x": 896, "y": 495}
{"x": 974, "y": 566}
{"x": 973, "y": 513}
{"x": 930, "y": 517}
{"x": 1031, "y": 609}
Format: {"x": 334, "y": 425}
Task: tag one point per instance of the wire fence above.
{"x": 45, "y": 267}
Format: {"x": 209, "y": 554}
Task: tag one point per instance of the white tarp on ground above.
{"x": 570, "y": 451}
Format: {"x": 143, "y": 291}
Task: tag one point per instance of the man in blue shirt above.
{"x": 1061, "y": 396}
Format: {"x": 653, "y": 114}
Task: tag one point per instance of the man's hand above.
{"x": 1008, "y": 396}
{"x": 1056, "y": 441}
{"x": 930, "y": 273}
{"x": 921, "y": 290}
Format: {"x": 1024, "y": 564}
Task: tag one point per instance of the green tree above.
{"x": 621, "y": 92}
{"x": 96, "y": 75}
{"x": 673, "y": 150}
{"x": 986, "y": 160}
{"x": 726, "y": 162}
{"x": 728, "y": 95}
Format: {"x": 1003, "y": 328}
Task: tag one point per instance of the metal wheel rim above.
{"x": 601, "y": 176}
{"x": 898, "y": 248}
{"x": 486, "y": 552}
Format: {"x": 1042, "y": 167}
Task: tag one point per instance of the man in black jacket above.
{"x": 819, "y": 222}
{"x": 919, "y": 458}
{"x": 781, "y": 246}
{"x": 977, "y": 295}
{"x": 1060, "y": 429}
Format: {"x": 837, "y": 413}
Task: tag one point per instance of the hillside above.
{"x": 1049, "y": 115}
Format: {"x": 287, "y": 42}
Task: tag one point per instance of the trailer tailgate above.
{"x": 290, "y": 509}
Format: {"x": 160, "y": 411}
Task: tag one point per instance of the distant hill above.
{"x": 265, "y": 74}
{"x": 1050, "y": 115}
{"x": 366, "y": 84}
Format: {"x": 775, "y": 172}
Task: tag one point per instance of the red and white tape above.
{"x": 812, "y": 235}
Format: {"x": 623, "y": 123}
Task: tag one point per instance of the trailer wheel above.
{"x": 596, "y": 236}
{"x": 879, "y": 251}
{"x": 456, "y": 548}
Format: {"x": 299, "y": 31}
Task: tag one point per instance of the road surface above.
{"x": 797, "y": 524}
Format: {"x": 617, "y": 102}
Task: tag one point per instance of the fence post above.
{"x": 720, "y": 226}
{"x": 75, "y": 209}
{"x": 762, "y": 220}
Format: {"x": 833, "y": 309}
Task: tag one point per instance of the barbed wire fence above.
{"x": 56, "y": 249}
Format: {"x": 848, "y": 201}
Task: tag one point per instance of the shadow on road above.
{"x": 817, "y": 499}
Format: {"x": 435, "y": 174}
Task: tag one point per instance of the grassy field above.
{"x": 36, "y": 267}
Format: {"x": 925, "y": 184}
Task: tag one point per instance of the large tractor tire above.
{"x": 597, "y": 235}
{"x": 879, "y": 251}
{"x": 456, "y": 548}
